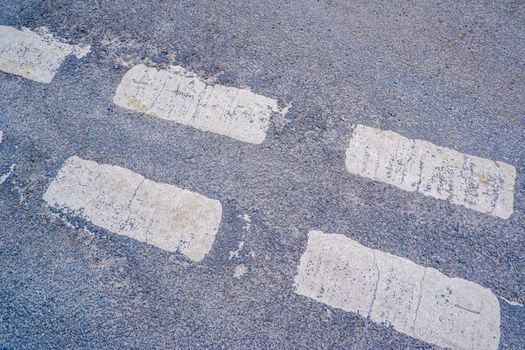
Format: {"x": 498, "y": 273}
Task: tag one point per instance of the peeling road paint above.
{"x": 5, "y": 176}
{"x": 418, "y": 301}
{"x": 126, "y": 203}
{"x": 181, "y": 96}
{"x": 413, "y": 165}
{"x": 450, "y": 75}
{"x": 34, "y": 55}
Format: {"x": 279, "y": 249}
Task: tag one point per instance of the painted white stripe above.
{"x": 6, "y": 176}
{"x": 126, "y": 203}
{"x": 34, "y": 55}
{"x": 420, "y": 302}
{"x": 413, "y": 165}
{"x": 181, "y": 96}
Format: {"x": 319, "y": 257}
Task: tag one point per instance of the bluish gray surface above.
{"x": 448, "y": 72}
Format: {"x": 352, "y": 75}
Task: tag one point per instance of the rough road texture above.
{"x": 450, "y": 73}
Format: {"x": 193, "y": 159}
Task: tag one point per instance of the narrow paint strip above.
{"x": 6, "y": 176}
{"x": 34, "y": 55}
{"x": 511, "y": 303}
{"x": 181, "y": 96}
{"x": 418, "y": 301}
{"x": 124, "y": 202}
{"x": 479, "y": 184}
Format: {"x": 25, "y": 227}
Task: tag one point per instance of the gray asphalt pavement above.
{"x": 450, "y": 73}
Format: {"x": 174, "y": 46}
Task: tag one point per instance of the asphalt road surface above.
{"x": 262, "y": 174}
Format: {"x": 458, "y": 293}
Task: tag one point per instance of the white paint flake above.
{"x": 240, "y": 270}
{"x": 512, "y": 303}
{"x": 124, "y": 202}
{"x": 248, "y": 221}
{"x": 418, "y": 301}
{"x": 34, "y": 55}
{"x": 235, "y": 253}
{"x": 479, "y": 184}
{"x": 5, "y": 176}
{"x": 181, "y": 96}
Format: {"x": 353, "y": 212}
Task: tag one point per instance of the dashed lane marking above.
{"x": 124, "y": 202}
{"x": 418, "y": 301}
{"x": 181, "y": 96}
{"x": 480, "y": 184}
{"x": 34, "y": 55}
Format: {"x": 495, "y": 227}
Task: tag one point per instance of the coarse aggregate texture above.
{"x": 450, "y": 73}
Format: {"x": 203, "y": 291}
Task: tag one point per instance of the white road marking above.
{"x": 413, "y": 165}
{"x": 181, "y": 96}
{"x": 240, "y": 270}
{"x": 34, "y": 55}
{"x": 4, "y": 177}
{"x": 418, "y": 301}
{"x": 126, "y": 203}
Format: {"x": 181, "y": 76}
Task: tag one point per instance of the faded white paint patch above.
{"x": 71, "y": 226}
{"x": 418, "y": 301}
{"x": 5, "y": 176}
{"x": 181, "y": 96}
{"x": 126, "y": 203}
{"x": 413, "y": 165}
{"x": 235, "y": 253}
{"x": 248, "y": 221}
{"x": 34, "y": 55}
{"x": 240, "y": 270}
